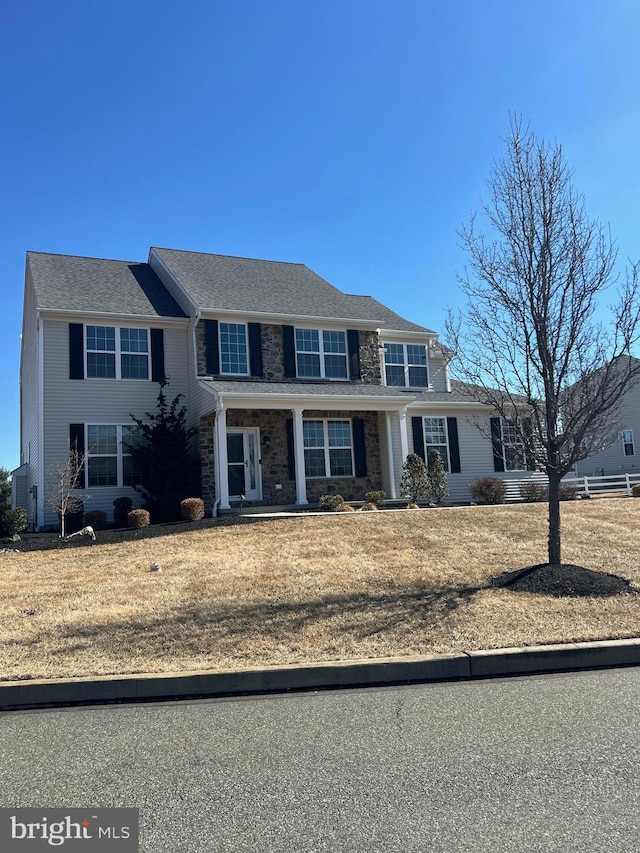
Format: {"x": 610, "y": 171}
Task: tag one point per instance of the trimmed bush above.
{"x": 369, "y": 506}
{"x": 345, "y": 508}
{"x": 138, "y": 518}
{"x": 568, "y": 493}
{"x": 488, "y": 490}
{"x": 412, "y": 505}
{"x": 635, "y": 490}
{"x": 13, "y": 521}
{"x": 192, "y": 509}
{"x": 96, "y": 519}
{"x": 533, "y": 492}
{"x": 377, "y": 498}
{"x": 330, "y": 502}
{"x": 121, "y": 509}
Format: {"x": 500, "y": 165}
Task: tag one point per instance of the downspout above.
{"x": 216, "y": 461}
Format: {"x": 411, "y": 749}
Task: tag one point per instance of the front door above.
{"x": 243, "y": 464}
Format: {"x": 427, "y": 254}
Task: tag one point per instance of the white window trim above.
{"x": 222, "y": 323}
{"x": 405, "y": 364}
{"x": 327, "y": 460}
{"x": 427, "y": 445}
{"x": 517, "y": 443}
{"x": 119, "y": 454}
{"x": 321, "y": 353}
{"x": 625, "y": 433}
{"x": 118, "y": 353}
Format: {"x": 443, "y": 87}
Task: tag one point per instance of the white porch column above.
{"x": 390, "y": 462}
{"x": 298, "y": 445}
{"x": 404, "y": 439}
{"x": 222, "y": 486}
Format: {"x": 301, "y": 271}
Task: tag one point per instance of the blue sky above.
{"x": 352, "y": 136}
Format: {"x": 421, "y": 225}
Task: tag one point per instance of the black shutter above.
{"x": 76, "y": 351}
{"x": 291, "y": 453}
{"x": 418, "y": 438}
{"x": 496, "y": 443}
{"x": 76, "y": 445}
{"x": 359, "y": 451}
{"x": 255, "y": 350}
{"x": 527, "y": 426}
{"x": 353, "y": 346}
{"x": 454, "y": 447}
{"x": 211, "y": 347}
{"x": 289, "y": 352}
{"x": 157, "y": 355}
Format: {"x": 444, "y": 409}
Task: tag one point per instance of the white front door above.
{"x": 243, "y": 464}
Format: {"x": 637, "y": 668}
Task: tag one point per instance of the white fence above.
{"x": 588, "y": 486}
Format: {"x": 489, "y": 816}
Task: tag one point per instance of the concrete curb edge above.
{"x": 464, "y": 666}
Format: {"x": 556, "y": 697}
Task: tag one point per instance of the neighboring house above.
{"x": 622, "y": 456}
{"x": 297, "y": 389}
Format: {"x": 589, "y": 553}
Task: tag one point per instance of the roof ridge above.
{"x": 85, "y": 257}
{"x": 237, "y": 257}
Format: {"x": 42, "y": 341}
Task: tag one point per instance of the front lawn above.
{"x": 291, "y": 590}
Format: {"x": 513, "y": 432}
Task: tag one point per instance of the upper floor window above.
{"x": 627, "y": 441}
{"x": 321, "y": 354}
{"x": 513, "y": 450}
{"x": 109, "y": 462}
{"x": 234, "y": 358}
{"x": 328, "y": 448}
{"x": 117, "y": 353}
{"x": 435, "y": 438}
{"x": 406, "y": 365}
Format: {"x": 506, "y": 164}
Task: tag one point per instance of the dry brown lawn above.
{"x": 293, "y": 590}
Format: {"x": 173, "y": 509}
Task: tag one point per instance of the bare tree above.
{"x": 63, "y": 479}
{"x": 529, "y": 340}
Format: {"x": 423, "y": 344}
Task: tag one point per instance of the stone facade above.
{"x": 370, "y": 358}
{"x": 275, "y": 466}
{"x": 272, "y": 352}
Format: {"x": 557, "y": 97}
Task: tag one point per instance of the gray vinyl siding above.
{"x": 476, "y": 452}
{"x": 437, "y": 373}
{"x": 101, "y": 401}
{"x": 29, "y": 398}
{"x": 612, "y": 459}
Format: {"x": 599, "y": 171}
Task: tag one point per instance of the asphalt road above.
{"x": 529, "y": 764}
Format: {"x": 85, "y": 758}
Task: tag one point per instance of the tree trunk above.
{"x": 554, "y": 520}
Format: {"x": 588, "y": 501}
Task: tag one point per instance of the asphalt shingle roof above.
{"x": 72, "y": 283}
{"x": 222, "y": 282}
{"x": 263, "y": 387}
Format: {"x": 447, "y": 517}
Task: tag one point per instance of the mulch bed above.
{"x": 50, "y": 541}
{"x": 566, "y": 579}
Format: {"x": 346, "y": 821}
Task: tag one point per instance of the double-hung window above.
{"x": 328, "y": 448}
{"x": 513, "y": 450}
{"x": 627, "y": 441}
{"x": 117, "y": 353}
{"x": 234, "y": 358}
{"x": 321, "y": 354}
{"x": 435, "y": 438}
{"x": 109, "y": 462}
{"x": 406, "y": 365}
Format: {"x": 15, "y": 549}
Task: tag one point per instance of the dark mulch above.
{"x": 49, "y": 541}
{"x": 563, "y": 580}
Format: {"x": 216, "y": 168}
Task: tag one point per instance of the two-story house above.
{"x": 297, "y": 389}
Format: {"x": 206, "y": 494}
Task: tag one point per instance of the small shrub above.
{"x": 345, "y": 508}
{"x": 369, "y": 506}
{"x": 635, "y": 490}
{"x": 567, "y": 492}
{"x": 13, "y": 521}
{"x": 192, "y": 509}
{"x": 488, "y": 490}
{"x": 330, "y": 502}
{"x": 415, "y": 480}
{"x": 412, "y": 505}
{"x": 138, "y": 518}
{"x": 121, "y": 509}
{"x": 533, "y": 492}
{"x": 376, "y": 497}
{"x": 96, "y": 519}
{"x": 437, "y": 477}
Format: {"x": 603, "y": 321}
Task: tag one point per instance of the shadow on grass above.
{"x": 244, "y": 632}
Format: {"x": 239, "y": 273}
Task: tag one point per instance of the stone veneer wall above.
{"x": 370, "y": 358}
{"x": 275, "y": 468}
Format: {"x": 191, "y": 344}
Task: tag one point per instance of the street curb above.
{"x": 464, "y": 666}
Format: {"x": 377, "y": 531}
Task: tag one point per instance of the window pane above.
{"x": 334, "y": 342}
{"x": 130, "y": 476}
{"x": 132, "y": 436}
{"x": 134, "y": 340}
{"x": 103, "y": 471}
{"x": 135, "y": 367}
{"x": 418, "y": 377}
{"x": 339, "y": 433}
{"x": 101, "y": 365}
{"x": 102, "y": 439}
{"x": 340, "y": 461}
{"x": 308, "y": 365}
{"x": 416, "y": 354}
{"x": 307, "y": 340}
{"x": 394, "y": 354}
{"x": 233, "y": 348}
{"x": 314, "y": 463}
{"x": 435, "y": 431}
{"x": 313, "y": 433}
{"x": 101, "y": 338}
{"x": 335, "y": 366}
{"x": 395, "y": 375}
